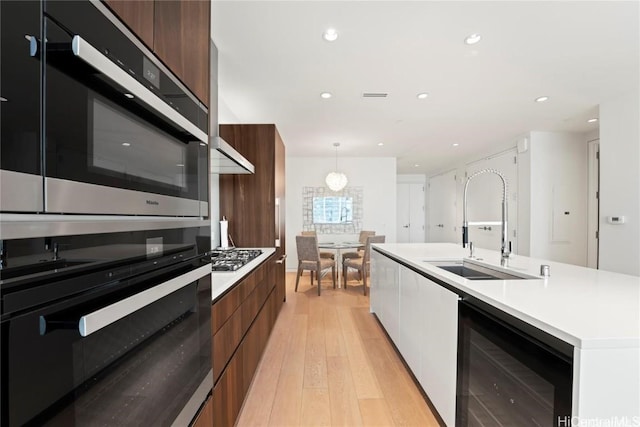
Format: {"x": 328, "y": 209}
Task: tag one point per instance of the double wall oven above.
{"x": 92, "y": 122}
{"x": 106, "y": 329}
{"x": 105, "y": 263}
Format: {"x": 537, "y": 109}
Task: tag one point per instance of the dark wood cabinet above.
{"x": 138, "y": 15}
{"x": 255, "y": 204}
{"x": 242, "y": 321}
{"x": 205, "y": 416}
{"x": 181, "y": 39}
{"x": 178, "y": 32}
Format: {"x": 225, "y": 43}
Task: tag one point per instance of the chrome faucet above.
{"x": 505, "y": 247}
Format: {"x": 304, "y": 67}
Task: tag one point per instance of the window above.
{"x": 332, "y": 210}
{"x": 322, "y": 210}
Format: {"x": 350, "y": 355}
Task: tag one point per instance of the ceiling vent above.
{"x": 375, "y": 95}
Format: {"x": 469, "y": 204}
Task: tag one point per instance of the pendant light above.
{"x": 335, "y": 180}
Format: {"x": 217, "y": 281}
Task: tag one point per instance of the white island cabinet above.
{"x": 597, "y": 313}
{"x": 384, "y": 301}
{"x": 421, "y": 317}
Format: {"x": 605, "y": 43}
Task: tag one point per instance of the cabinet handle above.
{"x": 281, "y": 260}
{"x": 277, "y": 243}
{"x": 92, "y": 56}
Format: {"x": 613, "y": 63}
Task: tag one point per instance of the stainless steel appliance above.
{"x": 106, "y": 329}
{"x": 509, "y": 373}
{"x": 119, "y": 134}
{"x": 232, "y": 259}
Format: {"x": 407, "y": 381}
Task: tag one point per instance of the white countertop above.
{"x": 585, "y": 307}
{"x": 223, "y": 280}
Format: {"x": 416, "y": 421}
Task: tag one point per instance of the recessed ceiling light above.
{"x": 592, "y": 120}
{"x": 422, "y": 95}
{"x": 380, "y": 144}
{"x": 128, "y": 95}
{"x": 473, "y": 39}
{"x": 325, "y": 95}
{"x": 455, "y": 144}
{"x": 542, "y": 98}
{"x": 416, "y": 165}
{"x": 330, "y": 34}
{"x": 126, "y": 144}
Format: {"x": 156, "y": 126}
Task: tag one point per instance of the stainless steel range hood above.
{"x": 226, "y": 160}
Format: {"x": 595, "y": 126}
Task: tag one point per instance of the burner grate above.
{"x": 232, "y": 260}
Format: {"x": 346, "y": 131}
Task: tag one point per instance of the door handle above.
{"x": 278, "y": 230}
{"x": 405, "y": 226}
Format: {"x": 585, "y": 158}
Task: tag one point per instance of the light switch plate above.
{"x": 616, "y": 220}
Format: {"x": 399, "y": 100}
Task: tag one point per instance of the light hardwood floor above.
{"x": 329, "y": 363}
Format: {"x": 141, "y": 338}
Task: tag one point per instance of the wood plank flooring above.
{"x": 329, "y": 363}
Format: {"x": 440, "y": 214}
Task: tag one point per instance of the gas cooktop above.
{"x": 232, "y": 259}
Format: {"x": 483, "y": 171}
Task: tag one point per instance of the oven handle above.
{"x": 92, "y": 322}
{"x": 92, "y": 56}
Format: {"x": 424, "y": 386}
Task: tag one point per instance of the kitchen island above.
{"x": 592, "y": 315}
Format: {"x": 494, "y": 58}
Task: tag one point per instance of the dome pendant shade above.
{"x": 336, "y": 181}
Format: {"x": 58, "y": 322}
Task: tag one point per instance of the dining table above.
{"x": 338, "y": 247}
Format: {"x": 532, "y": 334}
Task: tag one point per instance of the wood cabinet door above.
{"x": 248, "y": 201}
{"x": 138, "y": 15}
{"x": 181, "y": 41}
{"x": 205, "y": 417}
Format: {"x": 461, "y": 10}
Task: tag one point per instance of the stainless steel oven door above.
{"x": 115, "y": 141}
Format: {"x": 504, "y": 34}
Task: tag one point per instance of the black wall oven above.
{"x": 119, "y": 134}
{"x": 508, "y": 374}
{"x": 20, "y": 116}
{"x": 106, "y": 329}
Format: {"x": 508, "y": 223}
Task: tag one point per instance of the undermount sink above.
{"x": 472, "y": 271}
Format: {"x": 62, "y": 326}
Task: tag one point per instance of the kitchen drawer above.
{"x": 224, "y": 308}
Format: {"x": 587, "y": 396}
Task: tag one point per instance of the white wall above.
{"x": 376, "y": 176}
{"x": 558, "y": 184}
{"x": 620, "y": 183}
{"x": 553, "y": 163}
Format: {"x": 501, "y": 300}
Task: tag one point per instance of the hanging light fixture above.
{"x": 336, "y": 181}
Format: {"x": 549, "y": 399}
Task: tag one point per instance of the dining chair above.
{"x": 309, "y": 259}
{"x": 360, "y": 251}
{"x": 323, "y": 254}
{"x": 362, "y": 263}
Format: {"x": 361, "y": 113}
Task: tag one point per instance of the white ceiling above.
{"x": 274, "y": 63}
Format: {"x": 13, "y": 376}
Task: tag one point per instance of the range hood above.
{"x": 226, "y": 160}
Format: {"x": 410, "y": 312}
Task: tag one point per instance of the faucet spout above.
{"x": 505, "y": 247}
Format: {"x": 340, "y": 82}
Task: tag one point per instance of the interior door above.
{"x": 484, "y": 201}
{"x": 442, "y": 208}
{"x": 410, "y": 213}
